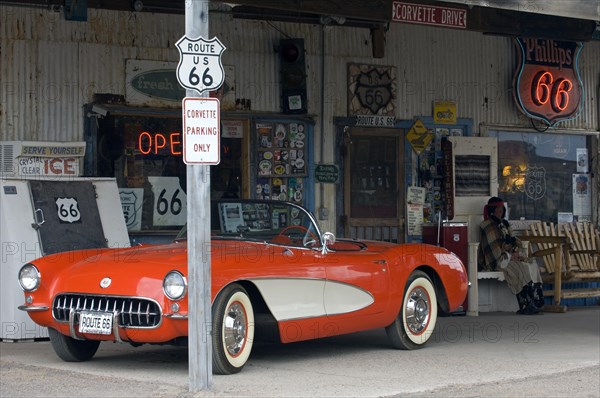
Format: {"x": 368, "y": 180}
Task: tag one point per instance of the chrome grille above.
{"x": 133, "y": 312}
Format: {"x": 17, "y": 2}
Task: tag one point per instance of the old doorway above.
{"x": 373, "y": 184}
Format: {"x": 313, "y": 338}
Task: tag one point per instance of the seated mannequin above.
{"x": 499, "y": 251}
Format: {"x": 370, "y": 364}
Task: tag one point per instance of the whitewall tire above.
{"x": 416, "y": 321}
{"x": 233, "y": 330}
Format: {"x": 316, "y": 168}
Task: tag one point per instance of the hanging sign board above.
{"x": 547, "y": 85}
{"x": 169, "y": 201}
{"x": 375, "y": 121}
{"x": 47, "y": 159}
{"x": 132, "y": 202}
{"x": 201, "y": 131}
{"x": 152, "y": 83}
{"x": 444, "y": 112}
{"x": 419, "y": 136}
{"x": 327, "y": 173}
{"x": 232, "y": 128}
{"x": 424, "y": 14}
{"x": 448, "y": 179}
{"x": 416, "y": 195}
{"x": 200, "y": 66}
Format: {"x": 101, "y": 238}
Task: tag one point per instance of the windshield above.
{"x": 182, "y": 235}
{"x": 269, "y": 221}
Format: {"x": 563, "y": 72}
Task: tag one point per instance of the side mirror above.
{"x": 327, "y": 238}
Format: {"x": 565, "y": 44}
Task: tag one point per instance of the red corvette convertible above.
{"x": 270, "y": 265}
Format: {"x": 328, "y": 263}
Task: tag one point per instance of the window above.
{"x": 537, "y": 173}
{"x": 144, "y": 154}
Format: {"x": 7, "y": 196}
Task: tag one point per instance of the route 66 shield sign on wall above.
{"x": 68, "y": 210}
{"x": 200, "y": 65}
{"x": 371, "y": 89}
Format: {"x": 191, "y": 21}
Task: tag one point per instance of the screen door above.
{"x": 373, "y": 194}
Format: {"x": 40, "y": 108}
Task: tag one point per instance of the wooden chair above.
{"x": 585, "y": 251}
{"x": 570, "y": 253}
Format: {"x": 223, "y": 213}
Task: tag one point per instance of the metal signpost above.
{"x": 199, "y": 71}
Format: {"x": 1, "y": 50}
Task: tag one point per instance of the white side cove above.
{"x": 290, "y": 298}
{"x": 341, "y": 298}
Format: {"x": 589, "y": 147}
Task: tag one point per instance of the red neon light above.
{"x": 175, "y": 141}
{"x": 560, "y": 95}
{"x": 146, "y": 134}
{"x": 544, "y": 88}
{"x": 540, "y": 87}
{"x": 159, "y": 143}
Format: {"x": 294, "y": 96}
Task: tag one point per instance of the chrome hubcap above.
{"x": 417, "y": 310}
{"x": 234, "y": 328}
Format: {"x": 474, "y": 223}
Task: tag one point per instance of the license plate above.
{"x": 95, "y": 323}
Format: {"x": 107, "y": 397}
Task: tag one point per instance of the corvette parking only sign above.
{"x": 201, "y": 131}
{"x": 200, "y": 66}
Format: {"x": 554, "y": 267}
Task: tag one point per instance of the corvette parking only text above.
{"x": 201, "y": 131}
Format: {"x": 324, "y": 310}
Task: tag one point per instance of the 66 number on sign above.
{"x": 163, "y": 205}
{"x": 169, "y": 201}
{"x": 207, "y": 79}
{"x": 71, "y": 211}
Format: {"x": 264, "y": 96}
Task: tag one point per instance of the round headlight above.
{"x": 29, "y": 278}
{"x": 174, "y": 285}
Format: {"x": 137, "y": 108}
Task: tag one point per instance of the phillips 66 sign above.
{"x": 547, "y": 85}
{"x": 200, "y": 65}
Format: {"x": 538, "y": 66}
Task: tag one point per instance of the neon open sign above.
{"x": 547, "y": 85}
{"x": 159, "y": 143}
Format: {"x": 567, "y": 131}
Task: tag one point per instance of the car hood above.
{"x": 132, "y": 271}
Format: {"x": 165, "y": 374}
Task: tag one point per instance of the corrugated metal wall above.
{"x": 51, "y": 67}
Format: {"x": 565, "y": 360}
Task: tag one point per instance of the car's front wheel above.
{"x": 415, "y": 323}
{"x": 70, "y": 350}
{"x": 233, "y": 330}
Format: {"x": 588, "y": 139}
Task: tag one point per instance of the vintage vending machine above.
{"x": 454, "y": 236}
{"x": 46, "y": 207}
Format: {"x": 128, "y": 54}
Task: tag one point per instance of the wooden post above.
{"x": 198, "y": 230}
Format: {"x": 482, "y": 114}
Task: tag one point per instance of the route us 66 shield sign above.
{"x": 68, "y": 210}
{"x": 200, "y": 65}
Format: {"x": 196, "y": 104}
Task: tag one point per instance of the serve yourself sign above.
{"x": 201, "y": 131}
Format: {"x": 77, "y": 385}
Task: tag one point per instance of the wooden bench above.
{"x": 488, "y": 291}
{"x": 570, "y": 253}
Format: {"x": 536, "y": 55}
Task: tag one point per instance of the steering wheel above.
{"x": 294, "y": 234}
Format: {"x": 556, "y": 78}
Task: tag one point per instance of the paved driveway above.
{"x": 494, "y": 355}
